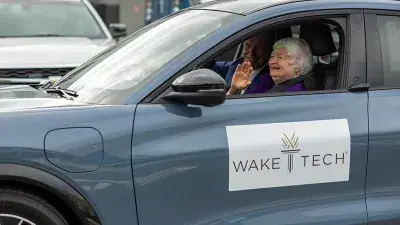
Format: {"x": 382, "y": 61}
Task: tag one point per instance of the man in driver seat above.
{"x": 256, "y": 51}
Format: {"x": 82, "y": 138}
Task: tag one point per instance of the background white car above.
{"x": 42, "y": 40}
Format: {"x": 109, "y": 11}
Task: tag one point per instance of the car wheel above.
{"x": 23, "y": 208}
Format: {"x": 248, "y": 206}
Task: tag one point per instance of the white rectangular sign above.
{"x": 288, "y": 154}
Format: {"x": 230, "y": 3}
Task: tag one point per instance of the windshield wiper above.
{"x": 46, "y": 35}
{"x": 68, "y": 94}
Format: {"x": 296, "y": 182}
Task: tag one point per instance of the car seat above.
{"x": 319, "y": 37}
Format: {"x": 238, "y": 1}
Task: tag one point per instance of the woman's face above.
{"x": 279, "y": 65}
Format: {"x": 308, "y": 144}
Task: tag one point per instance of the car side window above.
{"x": 322, "y": 36}
{"x": 389, "y": 34}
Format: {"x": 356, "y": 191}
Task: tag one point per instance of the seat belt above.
{"x": 282, "y": 86}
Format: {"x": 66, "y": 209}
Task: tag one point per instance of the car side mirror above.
{"x": 118, "y": 30}
{"x": 199, "y": 87}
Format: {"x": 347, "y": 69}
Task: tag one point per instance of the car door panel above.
{"x": 382, "y": 190}
{"x": 181, "y": 164}
{"x": 382, "y": 186}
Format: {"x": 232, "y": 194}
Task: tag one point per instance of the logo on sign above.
{"x": 290, "y": 147}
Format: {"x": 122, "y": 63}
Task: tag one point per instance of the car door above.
{"x": 270, "y": 159}
{"x": 383, "y": 47}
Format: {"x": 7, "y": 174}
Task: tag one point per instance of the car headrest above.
{"x": 282, "y": 33}
{"x": 319, "y": 37}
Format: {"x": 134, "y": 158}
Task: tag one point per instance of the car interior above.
{"x": 325, "y": 38}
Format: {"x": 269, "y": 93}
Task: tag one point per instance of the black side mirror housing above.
{"x": 199, "y": 87}
{"x": 118, "y": 30}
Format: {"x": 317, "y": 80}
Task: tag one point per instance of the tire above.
{"x": 16, "y": 205}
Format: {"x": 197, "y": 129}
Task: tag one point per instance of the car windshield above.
{"x": 120, "y": 70}
{"x": 27, "y": 18}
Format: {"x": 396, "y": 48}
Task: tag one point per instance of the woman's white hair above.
{"x": 300, "y": 51}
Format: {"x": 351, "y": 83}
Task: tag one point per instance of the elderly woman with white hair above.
{"x": 291, "y": 58}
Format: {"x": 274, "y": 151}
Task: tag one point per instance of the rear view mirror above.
{"x": 200, "y": 87}
{"x": 118, "y": 30}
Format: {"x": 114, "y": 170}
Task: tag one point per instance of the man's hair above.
{"x": 269, "y": 38}
{"x": 300, "y": 52}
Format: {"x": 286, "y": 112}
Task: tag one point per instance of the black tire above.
{"x": 28, "y": 206}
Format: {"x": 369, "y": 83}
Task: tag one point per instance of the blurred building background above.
{"x": 136, "y": 13}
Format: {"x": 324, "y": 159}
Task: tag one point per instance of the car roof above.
{"x": 245, "y": 7}
{"x": 239, "y": 6}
